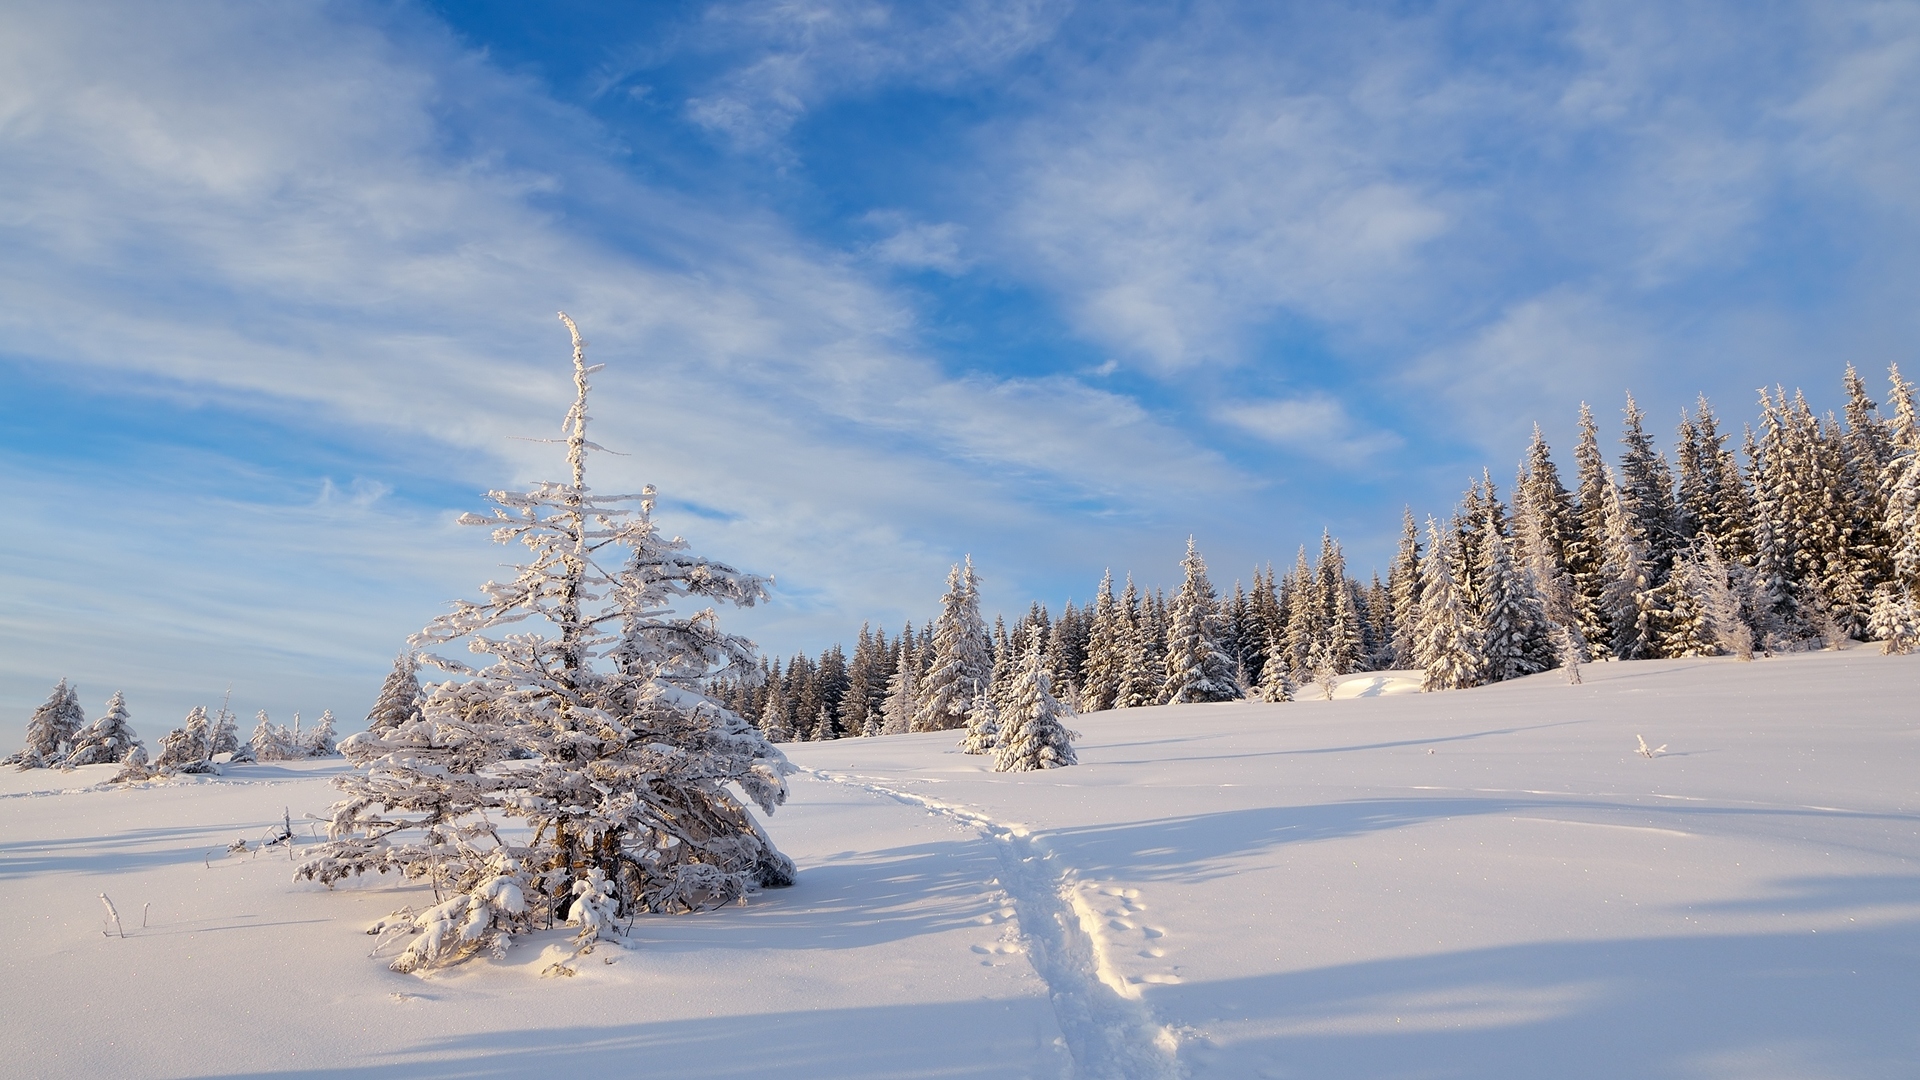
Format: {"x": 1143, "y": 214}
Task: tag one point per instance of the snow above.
{"x": 1478, "y": 883}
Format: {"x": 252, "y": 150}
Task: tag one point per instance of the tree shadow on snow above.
{"x": 1202, "y": 847}
{"x": 133, "y": 849}
{"x": 1798, "y": 1004}
{"x": 963, "y": 1040}
{"x": 847, "y": 902}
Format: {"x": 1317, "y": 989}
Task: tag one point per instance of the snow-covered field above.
{"x": 1484, "y": 883}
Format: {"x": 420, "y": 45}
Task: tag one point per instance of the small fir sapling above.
{"x": 273, "y": 742}
{"x": 603, "y": 738}
{"x": 983, "y": 726}
{"x": 1649, "y": 751}
{"x": 1276, "y": 682}
{"x": 320, "y": 741}
{"x": 108, "y": 740}
{"x": 1568, "y": 648}
{"x": 51, "y": 731}
{"x": 1033, "y": 732}
{"x": 226, "y": 734}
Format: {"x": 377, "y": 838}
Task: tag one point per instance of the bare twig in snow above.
{"x": 112, "y": 917}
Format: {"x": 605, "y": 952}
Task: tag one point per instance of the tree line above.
{"x": 1805, "y": 535}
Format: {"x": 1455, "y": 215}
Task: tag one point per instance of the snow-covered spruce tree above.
{"x": 903, "y": 688}
{"x": 189, "y": 747}
{"x": 224, "y": 734}
{"x": 108, "y": 740}
{"x": 1900, "y": 481}
{"x": 1586, "y": 548}
{"x": 601, "y": 737}
{"x": 1719, "y": 590}
{"x": 1448, "y": 644}
{"x": 51, "y": 730}
{"x": 1403, "y": 583}
{"x": 320, "y": 742}
{"x": 271, "y": 741}
{"x": 1067, "y": 651}
{"x": 983, "y": 726}
{"x": 1303, "y": 625}
{"x": 1276, "y": 680}
{"x": 1896, "y": 620}
{"x": 1033, "y": 731}
{"x": 1105, "y": 664}
{"x": 1630, "y": 600}
{"x": 962, "y": 661}
{"x": 1512, "y": 619}
{"x": 399, "y": 699}
{"x": 1198, "y": 667}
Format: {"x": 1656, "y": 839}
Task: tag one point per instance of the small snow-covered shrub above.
{"x": 983, "y": 726}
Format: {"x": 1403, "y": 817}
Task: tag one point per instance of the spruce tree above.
{"x": 983, "y": 726}
{"x": 1198, "y": 666}
{"x": 1303, "y": 618}
{"x": 1067, "y": 651}
{"x": 599, "y": 735}
{"x": 1105, "y": 664}
{"x": 1587, "y": 541}
{"x": 1646, "y": 493}
{"x": 1033, "y": 731}
{"x": 1403, "y": 582}
{"x": 107, "y": 740}
{"x": 51, "y": 730}
{"x": 1514, "y": 635}
{"x": 1140, "y": 676}
{"x": 1900, "y": 480}
{"x": 187, "y": 748}
{"x": 1448, "y": 643}
{"x": 1276, "y": 680}
{"x": 399, "y": 700}
{"x": 903, "y": 688}
{"x": 961, "y": 664}
{"x": 1630, "y": 600}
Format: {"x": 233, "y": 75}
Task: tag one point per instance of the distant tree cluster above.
{"x": 1806, "y": 535}
{"x": 59, "y": 736}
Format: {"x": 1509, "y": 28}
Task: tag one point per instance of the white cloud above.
{"x": 1314, "y": 426}
{"x": 799, "y": 54}
{"x": 256, "y": 205}
{"x": 914, "y": 245}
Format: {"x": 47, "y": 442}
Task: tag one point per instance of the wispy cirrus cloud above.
{"x": 265, "y": 209}
{"x": 795, "y": 55}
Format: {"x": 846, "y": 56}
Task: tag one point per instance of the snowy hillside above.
{"x": 1482, "y": 883}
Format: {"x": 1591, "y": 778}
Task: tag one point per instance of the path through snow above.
{"x": 1110, "y": 1032}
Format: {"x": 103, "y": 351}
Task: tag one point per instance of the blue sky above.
{"x": 877, "y": 285}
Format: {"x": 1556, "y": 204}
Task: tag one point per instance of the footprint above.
{"x": 1119, "y": 924}
{"x": 1152, "y": 954}
{"x": 1150, "y": 933}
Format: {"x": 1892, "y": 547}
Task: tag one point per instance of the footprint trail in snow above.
{"x": 1071, "y": 931}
